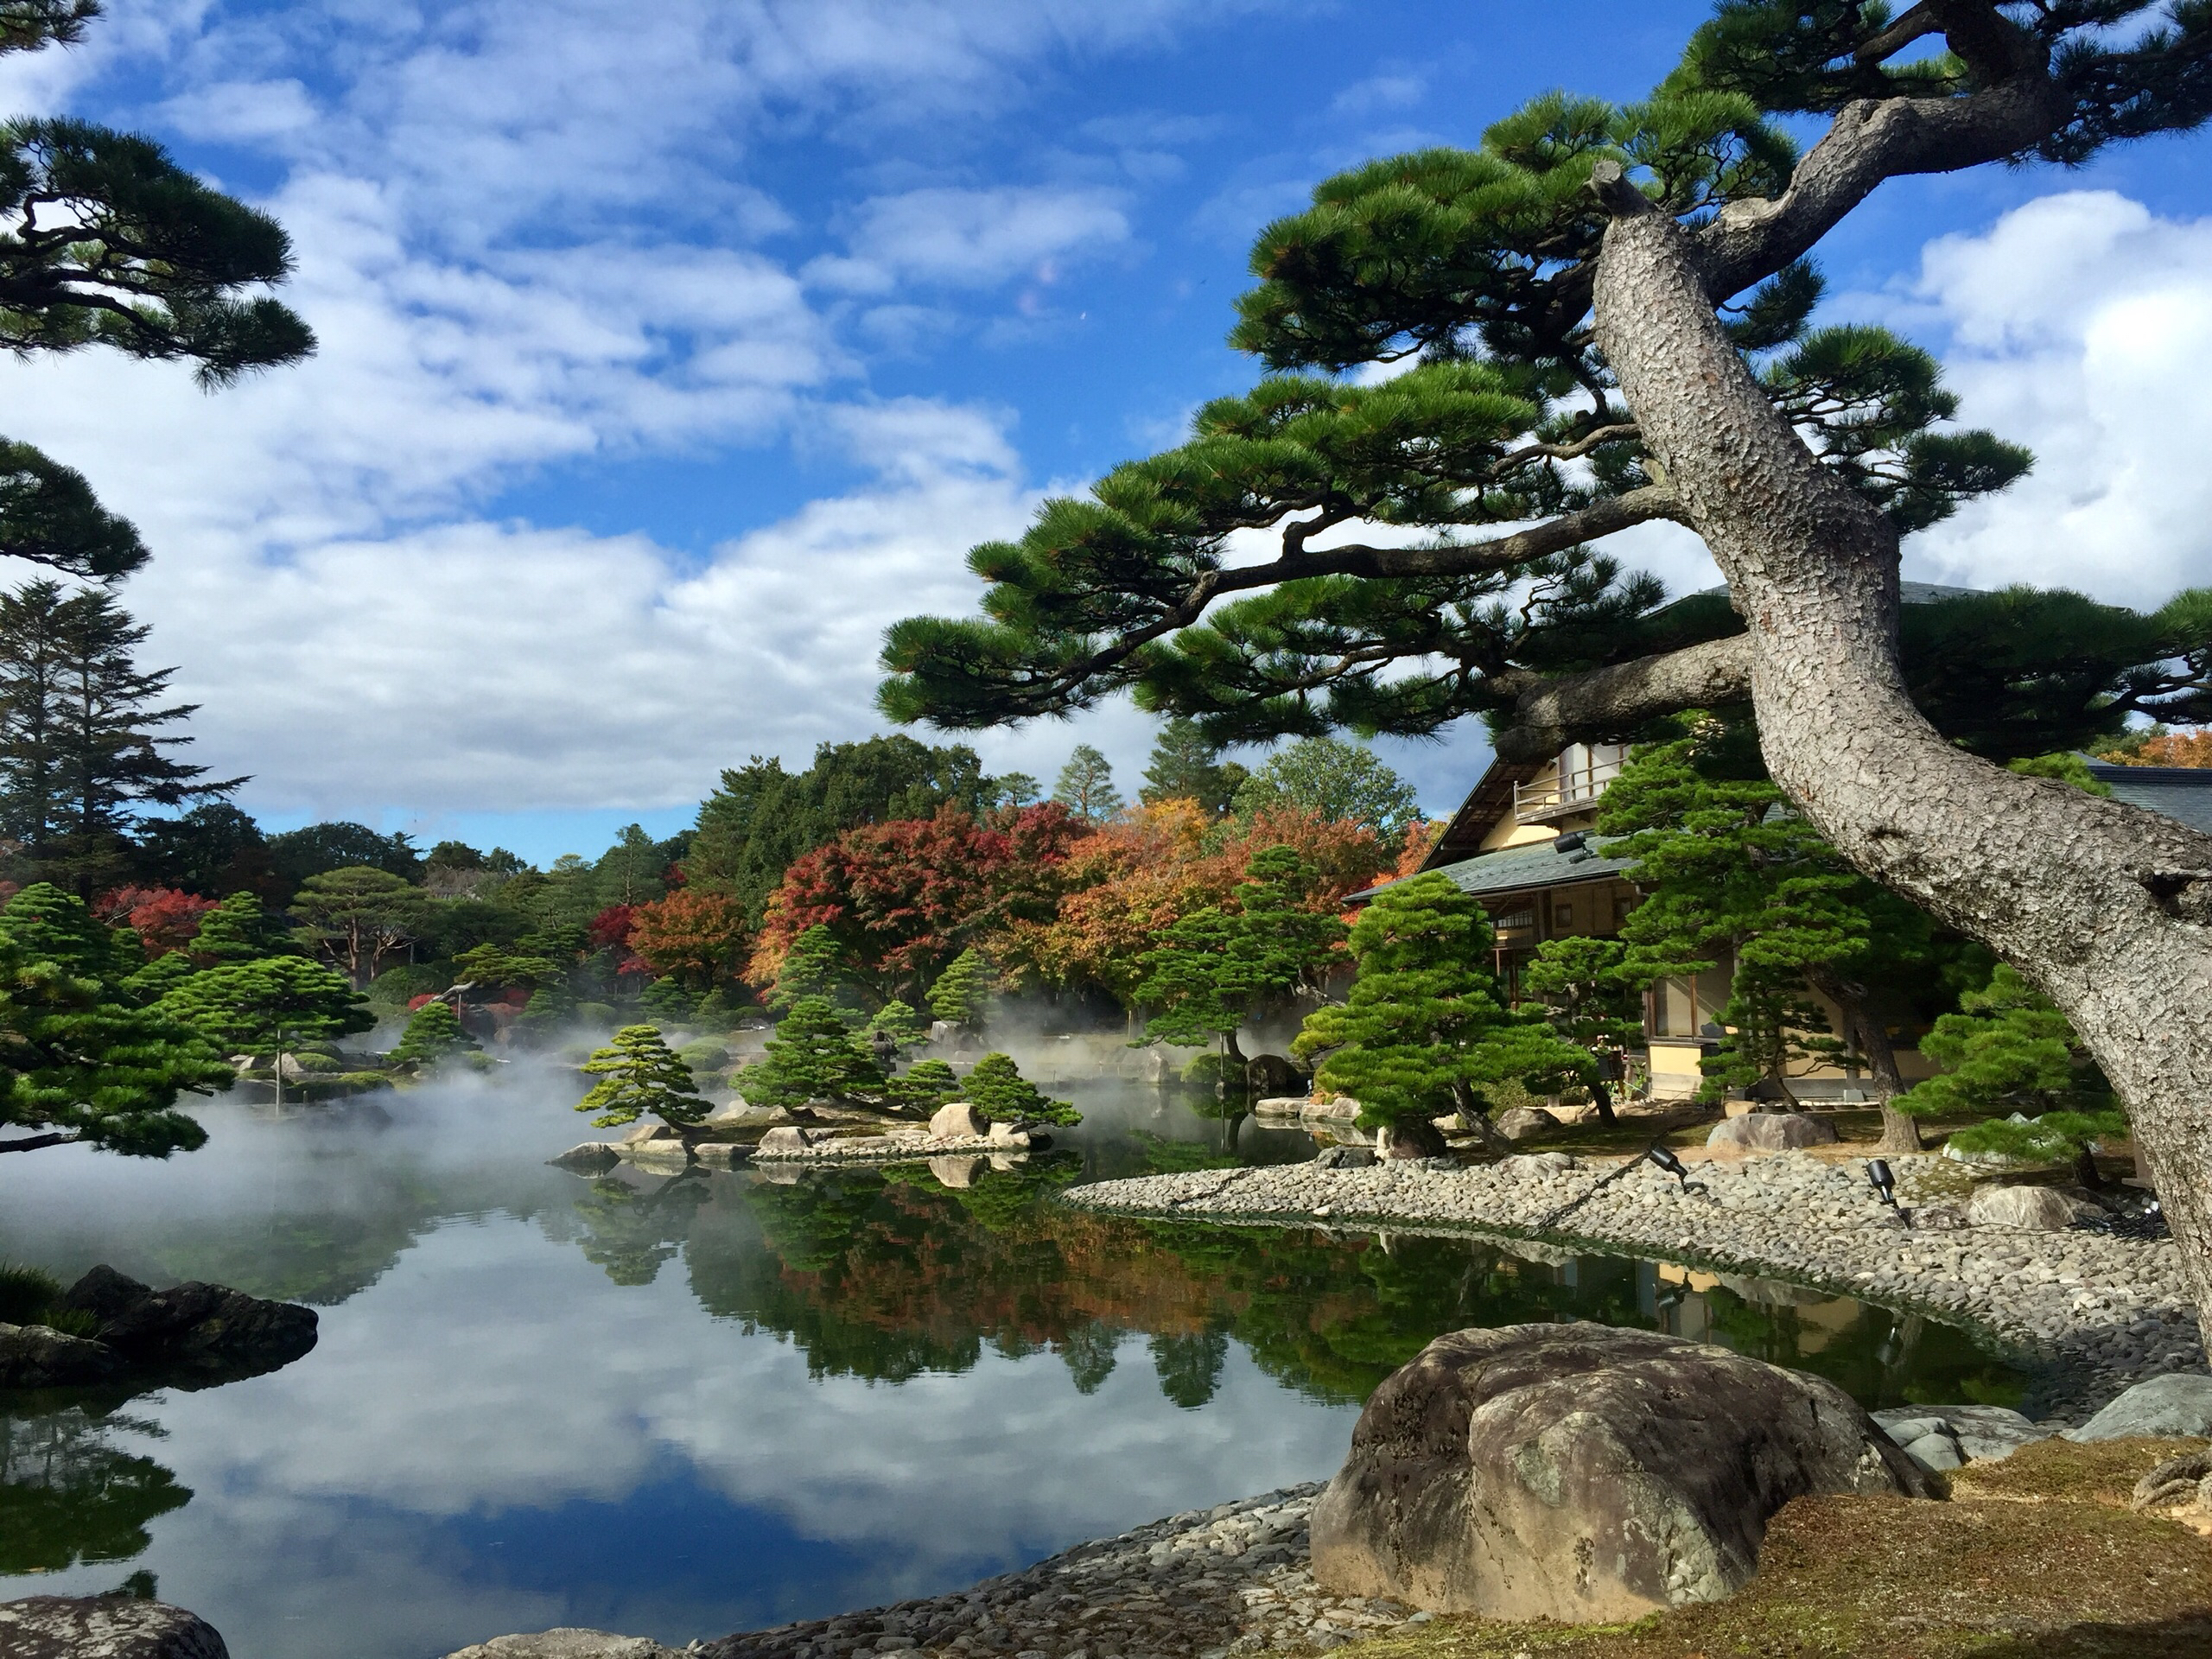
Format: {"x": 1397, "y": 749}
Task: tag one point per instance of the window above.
{"x": 1525, "y": 917}
{"x": 1562, "y": 915}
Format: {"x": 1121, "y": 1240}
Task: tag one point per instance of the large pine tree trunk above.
{"x": 2105, "y": 907}
{"x": 1870, "y": 1039}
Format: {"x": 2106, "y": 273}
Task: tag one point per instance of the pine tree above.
{"x": 267, "y": 1008}
{"x": 434, "y": 1034}
{"x": 359, "y": 915}
{"x": 962, "y": 995}
{"x": 79, "y": 746}
{"x": 1590, "y": 1001}
{"x": 85, "y": 1060}
{"x": 2009, "y": 1050}
{"x": 814, "y": 966}
{"x": 897, "y": 1027}
{"x": 1219, "y": 965}
{"x": 1186, "y": 766}
{"x": 922, "y": 1088}
{"x": 997, "y": 1090}
{"x": 1086, "y": 785}
{"x": 1426, "y": 1025}
{"x": 811, "y": 1057}
{"x": 238, "y": 929}
{"x": 549, "y": 1008}
{"x": 638, "y": 1074}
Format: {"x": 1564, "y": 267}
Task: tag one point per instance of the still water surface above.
{"x": 678, "y": 1408}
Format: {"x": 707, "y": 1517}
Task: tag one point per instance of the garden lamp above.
{"x": 1674, "y": 1167}
{"x": 1883, "y": 1183}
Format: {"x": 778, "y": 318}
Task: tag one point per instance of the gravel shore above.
{"x": 2092, "y": 1311}
{"x": 1202, "y": 1585}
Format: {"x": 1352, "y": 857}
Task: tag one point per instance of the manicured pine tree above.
{"x": 1215, "y": 967}
{"x": 358, "y": 916}
{"x": 638, "y": 1074}
{"x": 434, "y": 1036}
{"x": 812, "y": 1057}
{"x": 962, "y": 995}
{"x": 1186, "y": 765}
{"x": 997, "y": 1090}
{"x": 238, "y": 929}
{"x": 86, "y": 1062}
{"x": 1591, "y": 1002}
{"x": 814, "y": 966}
{"x": 896, "y": 1026}
{"x": 549, "y": 1010}
{"x": 1086, "y": 785}
{"x": 922, "y": 1088}
{"x": 2008, "y": 1050}
{"x": 268, "y": 1008}
{"x": 1426, "y": 1025}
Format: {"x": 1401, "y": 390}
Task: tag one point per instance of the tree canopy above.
{"x": 638, "y": 1074}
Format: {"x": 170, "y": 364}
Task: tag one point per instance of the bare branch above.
{"x": 33, "y": 1143}
{"x": 1919, "y": 20}
{"x": 1611, "y": 702}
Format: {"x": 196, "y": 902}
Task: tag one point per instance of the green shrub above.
{"x": 391, "y": 991}
{"x": 703, "y": 1056}
{"x": 26, "y": 1294}
{"x": 315, "y": 1064}
{"x": 597, "y": 1014}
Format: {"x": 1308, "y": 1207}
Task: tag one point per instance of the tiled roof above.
{"x": 1545, "y": 864}
{"x": 2182, "y": 793}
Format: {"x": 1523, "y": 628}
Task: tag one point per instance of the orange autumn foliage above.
{"x": 1128, "y": 880}
{"x": 2192, "y": 749}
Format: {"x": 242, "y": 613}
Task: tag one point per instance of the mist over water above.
{"x": 682, "y": 1406}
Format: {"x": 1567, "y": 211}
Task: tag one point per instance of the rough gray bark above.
{"x": 1870, "y": 1040}
{"x": 1611, "y": 702}
{"x": 2105, "y": 907}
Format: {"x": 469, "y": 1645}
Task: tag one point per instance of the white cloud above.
{"x": 972, "y": 238}
{"x": 1380, "y": 93}
{"x": 2080, "y": 325}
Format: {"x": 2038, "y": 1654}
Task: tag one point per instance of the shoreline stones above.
{"x": 104, "y": 1627}
{"x": 1584, "y": 1474}
{"x": 2094, "y": 1311}
{"x": 188, "y": 1334}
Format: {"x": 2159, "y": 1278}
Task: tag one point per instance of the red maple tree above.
{"x": 697, "y": 938}
{"x": 164, "y": 919}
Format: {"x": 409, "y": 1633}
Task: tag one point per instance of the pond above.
{"x": 681, "y": 1407}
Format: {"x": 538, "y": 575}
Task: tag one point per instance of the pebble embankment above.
{"x": 900, "y": 1147}
{"x": 1202, "y": 1585}
{"x": 2093, "y": 1312}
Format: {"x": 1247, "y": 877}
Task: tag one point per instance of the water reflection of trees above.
{"x": 887, "y": 1273}
{"x": 68, "y": 1495}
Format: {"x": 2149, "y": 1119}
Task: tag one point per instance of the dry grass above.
{"x": 2034, "y": 1558}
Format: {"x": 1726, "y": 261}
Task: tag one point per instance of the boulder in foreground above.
{"x": 103, "y": 1627}
{"x": 2029, "y": 1209}
{"x": 1582, "y": 1473}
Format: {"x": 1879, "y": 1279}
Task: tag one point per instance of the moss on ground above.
{"x": 2037, "y": 1557}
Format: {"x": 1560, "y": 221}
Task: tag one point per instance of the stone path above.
{"x": 1202, "y": 1585}
{"x": 2098, "y": 1311}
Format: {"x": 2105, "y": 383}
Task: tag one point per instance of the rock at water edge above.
{"x": 210, "y": 1326}
{"x": 1271, "y": 1074}
{"x": 104, "y": 1627}
{"x": 570, "y": 1643}
{"x": 2179, "y": 1404}
{"x": 2027, "y": 1209}
{"x": 790, "y": 1138}
{"x": 1769, "y": 1131}
{"x": 588, "y": 1155}
{"x": 957, "y": 1170}
{"x": 958, "y": 1121}
{"x": 1583, "y": 1473}
{"x": 34, "y": 1357}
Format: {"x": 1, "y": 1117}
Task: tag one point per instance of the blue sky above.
{"x": 669, "y": 352}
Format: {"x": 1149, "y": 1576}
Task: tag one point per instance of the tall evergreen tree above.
{"x": 80, "y": 749}
{"x": 813, "y": 1056}
{"x": 434, "y": 1034}
{"x": 1086, "y": 785}
{"x": 962, "y": 995}
{"x": 359, "y": 916}
{"x": 1604, "y": 318}
{"x": 1186, "y": 766}
{"x": 813, "y": 967}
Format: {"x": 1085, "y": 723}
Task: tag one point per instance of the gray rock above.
{"x": 1583, "y": 1473}
{"x": 1410, "y": 1138}
{"x": 1005, "y": 1135}
{"x": 103, "y": 1627}
{"x": 2178, "y": 1404}
{"x": 1975, "y": 1434}
{"x": 662, "y": 1157}
{"x": 720, "y": 1155}
{"x": 1937, "y": 1450}
{"x": 739, "y": 1115}
{"x": 1539, "y": 1163}
{"x": 193, "y": 1326}
{"x": 956, "y": 1171}
{"x": 567, "y": 1644}
{"x": 1272, "y": 1074}
{"x": 1524, "y": 1121}
{"x": 958, "y": 1121}
{"x": 1344, "y": 1158}
{"x": 1769, "y": 1131}
{"x": 642, "y": 1132}
{"x": 588, "y": 1155}
{"x": 790, "y": 1138}
{"x": 33, "y": 1356}
{"x": 2026, "y": 1209}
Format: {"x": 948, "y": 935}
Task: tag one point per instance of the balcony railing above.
{"x": 1575, "y": 789}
